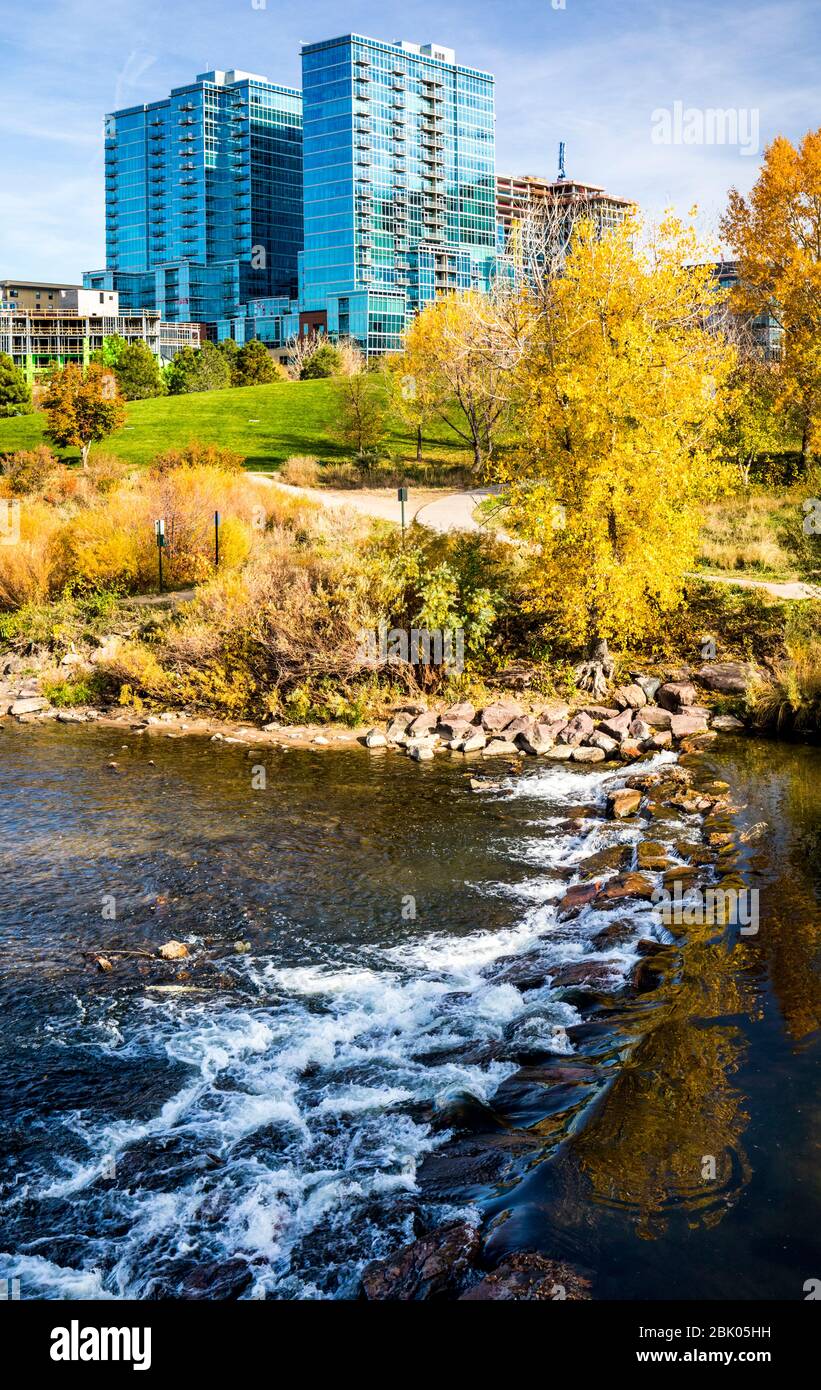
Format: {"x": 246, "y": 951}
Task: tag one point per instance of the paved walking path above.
{"x": 454, "y": 511}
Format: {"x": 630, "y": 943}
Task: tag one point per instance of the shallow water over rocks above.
{"x": 383, "y": 1022}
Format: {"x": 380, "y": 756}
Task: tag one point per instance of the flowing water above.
{"x": 366, "y": 1038}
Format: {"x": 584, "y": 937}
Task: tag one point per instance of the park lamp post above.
{"x": 403, "y": 497}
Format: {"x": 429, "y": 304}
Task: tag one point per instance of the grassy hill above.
{"x": 268, "y": 424}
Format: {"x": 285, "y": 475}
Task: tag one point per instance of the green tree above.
{"x": 112, "y": 349}
{"x": 362, "y": 415}
{"x": 15, "y": 392}
{"x": 325, "y": 362}
{"x": 82, "y": 408}
{"x": 202, "y": 369}
{"x": 229, "y": 347}
{"x": 138, "y": 372}
{"x": 255, "y": 365}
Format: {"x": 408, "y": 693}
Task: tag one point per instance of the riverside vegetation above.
{"x": 610, "y": 397}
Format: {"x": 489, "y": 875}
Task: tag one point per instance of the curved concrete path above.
{"x": 454, "y": 511}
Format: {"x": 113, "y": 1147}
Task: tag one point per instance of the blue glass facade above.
{"x": 400, "y": 185}
{"x": 204, "y": 198}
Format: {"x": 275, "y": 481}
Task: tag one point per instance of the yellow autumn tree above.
{"x": 776, "y": 235}
{"x": 461, "y": 359}
{"x": 618, "y": 416}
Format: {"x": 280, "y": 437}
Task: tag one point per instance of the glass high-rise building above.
{"x": 400, "y": 185}
{"x": 204, "y": 199}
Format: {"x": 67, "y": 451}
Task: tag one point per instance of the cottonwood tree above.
{"x": 82, "y": 409}
{"x": 775, "y": 233}
{"x": 462, "y": 352}
{"x": 617, "y": 417}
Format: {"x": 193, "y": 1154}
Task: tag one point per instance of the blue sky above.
{"x": 591, "y": 72}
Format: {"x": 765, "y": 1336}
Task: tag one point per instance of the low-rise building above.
{"x": 44, "y": 325}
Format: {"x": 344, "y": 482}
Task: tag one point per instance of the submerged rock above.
{"x": 623, "y": 802}
{"x": 173, "y": 950}
{"x": 436, "y": 1266}
{"x": 529, "y": 1278}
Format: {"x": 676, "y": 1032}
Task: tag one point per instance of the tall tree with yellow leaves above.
{"x": 619, "y": 410}
{"x": 776, "y": 235}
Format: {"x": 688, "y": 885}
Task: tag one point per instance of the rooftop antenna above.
{"x": 562, "y": 170}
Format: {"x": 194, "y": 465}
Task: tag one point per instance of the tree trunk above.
{"x": 418, "y": 443}
{"x": 85, "y": 450}
{"x": 596, "y": 671}
{"x": 805, "y": 450}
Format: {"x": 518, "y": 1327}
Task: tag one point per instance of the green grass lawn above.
{"x": 267, "y": 424}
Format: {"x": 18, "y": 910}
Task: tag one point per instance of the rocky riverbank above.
{"x": 647, "y": 714}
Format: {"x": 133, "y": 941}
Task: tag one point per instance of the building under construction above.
{"x": 562, "y": 200}
{"x": 43, "y": 326}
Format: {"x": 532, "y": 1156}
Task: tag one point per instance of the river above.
{"x": 365, "y": 1039}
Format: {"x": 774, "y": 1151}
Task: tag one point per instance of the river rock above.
{"x": 576, "y": 730}
{"x": 588, "y": 755}
{"x": 396, "y": 734}
{"x": 623, "y": 802}
{"x": 421, "y": 752}
{"x": 497, "y": 716}
{"x": 499, "y": 747}
{"x": 523, "y": 725}
{"x": 474, "y": 743}
{"x": 373, "y": 739}
{"x": 451, "y": 729}
{"x": 617, "y": 933}
{"x": 609, "y": 746}
{"x": 536, "y": 741}
{"x": 628, "y": 885}
{"x": 554, "y": 712}
{"x": 423, "y": 724}
{"x": 676, "y": 695}
{"x": 463, "y": 711}
{"x": 30, "y": 705}
{"x": 629, "y": 697}
{"x": 726, "y": 677}
{"x": 611, "y": 857}
{"x": 727, "y": 724}
{"x": 652, "y": 855}
{"x": 529, "y": 1278}
{"x": 560, "y": 753}
{"x": 662, "y": 739}
{"x": 657, "y": 718}
{"x": 690, "y": 722}
{"x": 436, "y": 1266}
{"x": 594, "y": 974}
{"x": 173, "y": 950}
{"x": 619, "y": 727}
{"x": 649, "y": 684}
{"x": 599, "y": 712}
{"x": 639, "y": 730}
{"x": 576, "y": 898}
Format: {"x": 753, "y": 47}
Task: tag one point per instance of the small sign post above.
{"x": 216, "y": 540}
{"x": 403, "y": 497}
{"x": 159, "y": 530}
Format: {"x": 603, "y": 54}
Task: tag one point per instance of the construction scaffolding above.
{"x": 38, "y": 340}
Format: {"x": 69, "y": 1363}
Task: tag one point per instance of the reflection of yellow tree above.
{"x": 673, "y": 1108}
